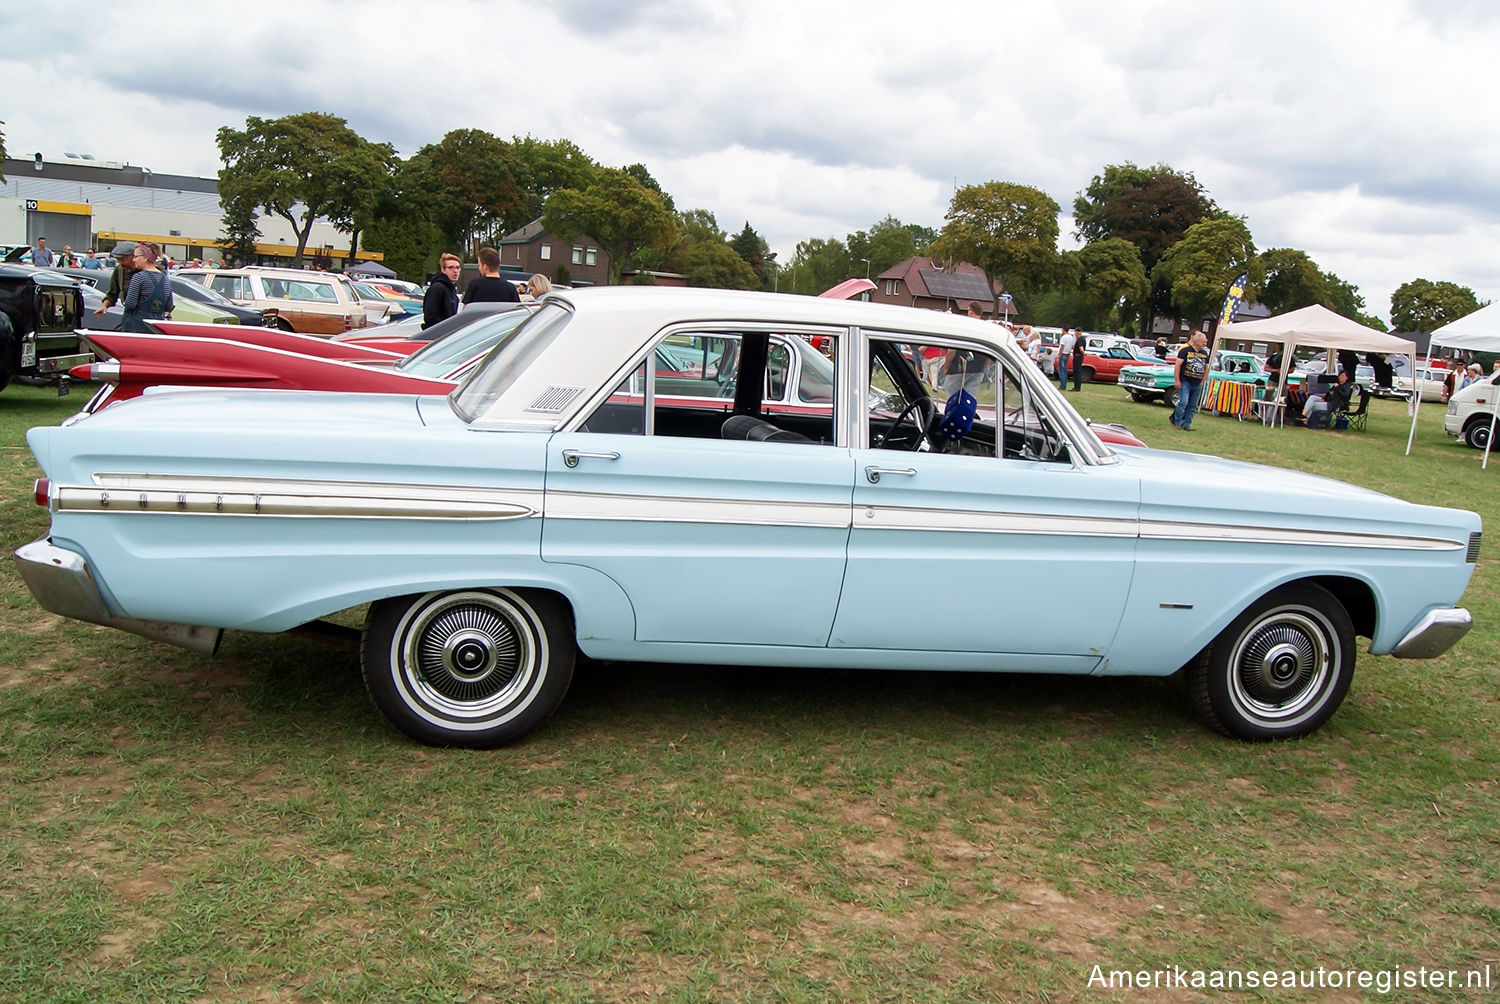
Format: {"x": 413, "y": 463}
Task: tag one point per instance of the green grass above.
{"x": 247, "y": 827}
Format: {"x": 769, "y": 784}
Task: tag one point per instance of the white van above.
{"x": 1469, "y": 411}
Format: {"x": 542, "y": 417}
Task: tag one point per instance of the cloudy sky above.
{"x": 1360, "y": 132}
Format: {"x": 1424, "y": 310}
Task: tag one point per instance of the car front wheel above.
{"x": 476, "y": 667}
{"x": 1170, "y": 397}
{"x": 1477, "y": 433}
{"x": 1280, "y": 669}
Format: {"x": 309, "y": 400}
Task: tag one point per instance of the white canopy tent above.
{"x": 1477, "y": 331}
{"x": 1320, "y": 327}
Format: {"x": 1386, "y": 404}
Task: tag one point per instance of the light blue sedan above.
{"x": 555, "y": 502}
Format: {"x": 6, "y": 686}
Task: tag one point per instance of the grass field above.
{"x": 247, "y": 827}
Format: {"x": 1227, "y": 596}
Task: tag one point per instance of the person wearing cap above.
{"x": 119, "y": 281}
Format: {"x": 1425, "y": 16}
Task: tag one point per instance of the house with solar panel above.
{"x": 921, "y": 282}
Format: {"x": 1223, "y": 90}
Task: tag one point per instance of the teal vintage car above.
{"x": 567, "y": 498}
{"x": 1154, "y": 383}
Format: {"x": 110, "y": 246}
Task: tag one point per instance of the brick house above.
{"x": 533, "y": 249}
{"x": 921, "y": 282}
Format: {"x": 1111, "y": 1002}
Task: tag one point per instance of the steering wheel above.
{"x": 922, "y": 411}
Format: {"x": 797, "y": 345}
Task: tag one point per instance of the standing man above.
{"x": 41, "y": 255}
{"x": 441, "y": 301}
{"x": 1080, "y": 346}
{"x": 1064, "y": 355}
{"x": 489, "y": 287}
{"x": 1189, "y": 369}
{"x": 119, "y": 280}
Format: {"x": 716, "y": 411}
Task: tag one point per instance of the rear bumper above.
{"x": 48, "y": 365}
{"x": 1434, "y": 634}
{"x": 63, "y": 583}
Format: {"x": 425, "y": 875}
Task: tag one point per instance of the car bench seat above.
{"x": 751, "y": 428}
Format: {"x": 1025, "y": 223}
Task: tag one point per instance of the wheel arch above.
{"x": 1355, "y": 595}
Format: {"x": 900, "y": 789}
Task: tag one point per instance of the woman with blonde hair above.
{"x": 148, "y": 297}
{"x": 538, "y": 286}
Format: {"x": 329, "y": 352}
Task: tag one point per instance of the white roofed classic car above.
{"x": 575, "y": 494}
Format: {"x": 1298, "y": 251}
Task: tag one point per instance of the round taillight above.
{"x": 41, "y": 491}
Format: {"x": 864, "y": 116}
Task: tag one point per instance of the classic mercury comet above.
{"x": 563, "y": 498}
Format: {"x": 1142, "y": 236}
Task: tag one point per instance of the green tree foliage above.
{"x": 309, "y": 159}
{"x": 1423, "y": 305}
{"x": 1292, "y": 280}
{"x": 1110, "y": 278}
{"x": 240, "y": 232}
{"x": 711, "y": 263}
{"x": 888, "y": 243}
{"x": 619, "y": 212}
{"x": 755, "y": 252}
{"x": 1198, "y": 269}
{"x": 1344, "y": 298}
{"x": 1151, "y": 207}
{"x": 817, "y": 264}
{"x": 468, "y": 184}
{"x": 1008, "y": 230}
{"x": 2, "y": 151}
{"x": 546, "y": 166}
{"x": 410, "y": 243}
{"x": 639, "y": 173}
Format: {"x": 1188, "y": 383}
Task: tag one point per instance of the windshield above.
{"x": 442, "y": 357}
{"x": 507, "y": 360}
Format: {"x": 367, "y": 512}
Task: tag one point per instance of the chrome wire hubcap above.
{"x": 468, "y": 655}
{"x": 1282, "y": 664}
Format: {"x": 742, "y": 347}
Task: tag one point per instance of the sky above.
{"x": 1359, "y": 132}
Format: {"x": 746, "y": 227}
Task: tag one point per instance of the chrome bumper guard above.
{"x": 49, "y": 365}
{"x": 62, "y": 582}
{"x": 1434, "y": 634}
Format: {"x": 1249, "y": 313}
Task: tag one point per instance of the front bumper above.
{"x": 1434, "y": 634}
{"x": 63, "y": 583}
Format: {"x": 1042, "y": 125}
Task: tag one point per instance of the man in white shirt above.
{"x": 1064, "y": 357}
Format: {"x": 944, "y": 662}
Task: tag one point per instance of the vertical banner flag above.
{"x": 1232, "y": 298}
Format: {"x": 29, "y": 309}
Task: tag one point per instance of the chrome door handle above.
{"x": 571, "y": 457}
{"x": 874, "y": 473}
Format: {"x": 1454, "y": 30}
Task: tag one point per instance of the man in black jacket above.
{"x": 441, "y": 301}
{"x": 489, "y": 287}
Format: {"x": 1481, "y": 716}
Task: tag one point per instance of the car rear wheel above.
{"x": 1477, "y": 432}
{"x": 1280, "y": 669}
{"x": 474, "y": 667}
{"x": 1088, "y": 374}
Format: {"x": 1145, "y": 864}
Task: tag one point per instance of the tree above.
{"x": 1422, "y": 305}
{"x": 1344, "y": 298}
{"x": 639, "y": 173}
{"x": 546, "y": 166}
{"x": 1008, "y": 230}
{"x": 1292, "y": 280}
{"x": 240, "y": 232}
{"x": 1111, "y": 276}
{"x": 1198, "y": 269}
{"x": 889, "y": 242}
{"x": 619, "y": 212}
{"x": 308, "y": 160}
{"x": 1151, "y": 207}
{"x": 719, "y": 265}
{"x": 366, "y": 176}
{"x": 468, "y": 184}
{"x": 753, "y": 249}
{"x": 2, "y": 152}
{"x": 817, "y": 264}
